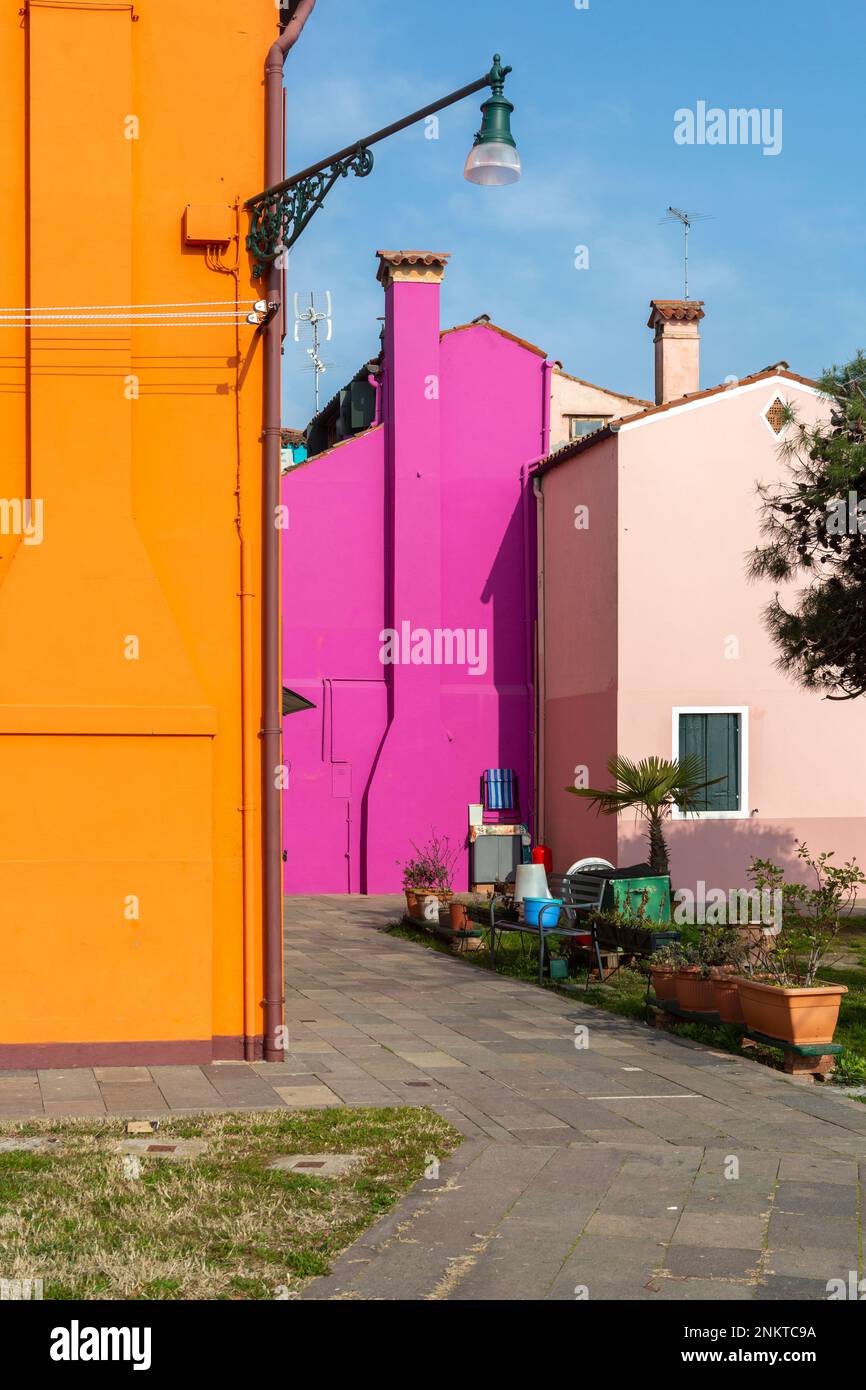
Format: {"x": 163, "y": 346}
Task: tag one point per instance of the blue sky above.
{"x": 779, "y": 263}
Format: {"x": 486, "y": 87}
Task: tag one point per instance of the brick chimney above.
{"x": 677, "y": 346}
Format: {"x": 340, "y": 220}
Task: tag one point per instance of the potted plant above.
{"x": 719, "y": 951}
{"x": 459, "y": 914}
{"x": 694, "y": 988}
{"x": 652, "y": 787}
{"x": 412, "y": 873}
{"x": 780, "y": 994}
{"x": 663, "y": 967}
{"x": 433, "y": 876}
{"x": 726, "y": 993}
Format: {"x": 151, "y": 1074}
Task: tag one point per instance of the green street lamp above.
{"x": 493, "y": 160}
{"x": 279, "y": 214}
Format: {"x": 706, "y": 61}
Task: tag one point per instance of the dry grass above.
{"x": 219, "y": 1227}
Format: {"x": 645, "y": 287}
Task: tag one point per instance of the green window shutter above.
{"x": 715, "y": 740}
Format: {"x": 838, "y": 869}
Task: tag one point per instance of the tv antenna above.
{"x": 686, "y": 219}
{"x": 314, "y": 317}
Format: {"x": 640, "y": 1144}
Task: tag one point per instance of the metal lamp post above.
{"x": 279, "y": 214}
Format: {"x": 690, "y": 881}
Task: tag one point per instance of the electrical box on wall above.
{"x": 208, "y": 224}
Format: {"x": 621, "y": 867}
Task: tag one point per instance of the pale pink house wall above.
{"x": 688, "y": 477}
{"x": 686, "y": 516}
{"x": 426, "y": 520}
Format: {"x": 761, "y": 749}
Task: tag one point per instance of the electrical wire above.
{"x": 182, "y": 304}
{"x": 182, "y": 314}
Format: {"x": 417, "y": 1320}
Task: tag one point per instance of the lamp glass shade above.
{"x": 492, "y": 164}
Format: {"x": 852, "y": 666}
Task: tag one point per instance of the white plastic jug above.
{"x": 530, "y": 882}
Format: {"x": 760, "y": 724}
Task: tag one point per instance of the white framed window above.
{"x": 719, "y": 736}
{"x": 579, "y": 425}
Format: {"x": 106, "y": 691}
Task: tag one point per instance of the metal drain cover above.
{"x": 317, "y": 1165}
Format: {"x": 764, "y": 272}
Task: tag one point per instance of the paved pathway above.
{"x": 639, "y": 1166}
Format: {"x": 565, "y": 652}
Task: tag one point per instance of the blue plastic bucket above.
{"x": 546, "y": 908}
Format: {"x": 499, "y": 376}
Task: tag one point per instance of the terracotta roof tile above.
{"x": 576, "y": 446}
{"x": 676, "y": 310}
{"x": 398, "y": 258}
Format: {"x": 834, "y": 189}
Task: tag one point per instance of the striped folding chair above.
{"x": 499, "y": 796}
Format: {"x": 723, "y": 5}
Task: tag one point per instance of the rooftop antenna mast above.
{"x": 686, "y": 219}
{"x": 314, "y": 317}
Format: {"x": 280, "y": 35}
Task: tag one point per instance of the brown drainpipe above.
{"x": 272, "y": 868}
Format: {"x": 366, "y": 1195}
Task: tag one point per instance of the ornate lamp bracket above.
{"x": 278, "y": 218}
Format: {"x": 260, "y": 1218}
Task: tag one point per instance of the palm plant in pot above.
{"x": 652, "y": 787}
{"x": 780, "y": 993}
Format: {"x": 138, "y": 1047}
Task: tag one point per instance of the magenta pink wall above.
{"x": 419, "y": 520}
{"x": 333, "y": 589}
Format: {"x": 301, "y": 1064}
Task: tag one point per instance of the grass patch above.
{"x": 851, "y": 1028}
{"x": 405, "y": 932}
{"x": 851, "y": 941}
{"x": 219, "y": 1227}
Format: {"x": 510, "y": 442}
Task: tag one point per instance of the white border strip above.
{"x": 765, "y": 381}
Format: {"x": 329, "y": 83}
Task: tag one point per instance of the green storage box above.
{"x": 628, "y": 898}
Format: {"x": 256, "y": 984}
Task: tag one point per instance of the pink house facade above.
{"x": 409, "y": 595}
{"x": 651, "y": 637}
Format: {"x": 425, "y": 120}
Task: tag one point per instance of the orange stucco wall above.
{"x": 123, "y": 714}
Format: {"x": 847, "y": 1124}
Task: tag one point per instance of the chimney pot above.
{"x": 677, "y": 347}
{"x": 412, "y": 267}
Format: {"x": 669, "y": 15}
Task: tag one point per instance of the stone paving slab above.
{"x": 604, "y": 1167}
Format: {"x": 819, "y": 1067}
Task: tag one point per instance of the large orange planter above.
{"x": 791, "y": 1015}
{"x": 726, "y": 994}
{"x": 664, "y": 984}
{"x": 693, "y": 994}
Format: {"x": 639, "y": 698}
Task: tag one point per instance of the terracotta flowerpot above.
{"x": 428, "y": 906}
{"x": 726, "y": 993}
{"x": 411, "y": 901}
{"x": 664, "y": 983}
{"x": 458, "y": 915}
{"x": 693, "y": 994}
{"x": 796, "y": 1015}
{"x": 416, "y": 910}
